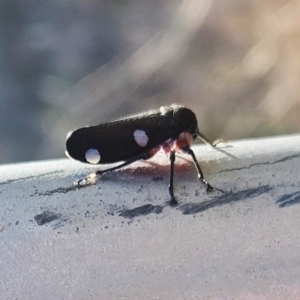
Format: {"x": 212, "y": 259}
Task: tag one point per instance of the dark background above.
{"x": 65, "y": 64}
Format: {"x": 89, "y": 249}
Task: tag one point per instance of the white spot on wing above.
{"x": 92, "y": 156}
{"x": 69, "y": 134}
{"x": 141, "y": 138}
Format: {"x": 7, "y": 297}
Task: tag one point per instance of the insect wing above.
{"x": 122, "y": 139}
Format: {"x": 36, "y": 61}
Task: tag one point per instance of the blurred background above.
{"x": 65, "y": 64}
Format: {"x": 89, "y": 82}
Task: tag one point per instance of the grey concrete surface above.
{"x": 119, "y": 239}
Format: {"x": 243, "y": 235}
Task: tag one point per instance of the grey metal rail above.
{"x": 119, "y": 238}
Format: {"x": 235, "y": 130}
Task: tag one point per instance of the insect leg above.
{"x": 126, "y": 163}
{"x": 171, "y": 192}
{"x": 200, "y": 174}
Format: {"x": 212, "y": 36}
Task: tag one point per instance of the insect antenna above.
{"x": 206, "y": 141}
{"x": 214, "y": 144}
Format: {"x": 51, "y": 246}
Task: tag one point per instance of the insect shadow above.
{"x": 197, "y": 207}
{"x": 288, "y": 199}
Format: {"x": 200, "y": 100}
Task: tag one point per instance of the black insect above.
{"x": 170, "y": 128}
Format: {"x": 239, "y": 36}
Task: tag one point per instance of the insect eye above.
{"x": 193, "y": 130}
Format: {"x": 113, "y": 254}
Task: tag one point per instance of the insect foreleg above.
{"x": 200, "y": 174}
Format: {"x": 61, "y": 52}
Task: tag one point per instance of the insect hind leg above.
{"x": 97, "y": 174}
